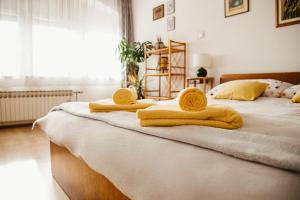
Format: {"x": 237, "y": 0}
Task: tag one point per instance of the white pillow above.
{"x": 216, "y": 89}
{"x": 275, "y": 88}
{"x": 290, "y": 91}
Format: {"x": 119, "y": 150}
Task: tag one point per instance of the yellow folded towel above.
{"x": 192, "y": 99}
{"x": 124, "y": 96}
{"x": 109, "y": 106}
{"x": 214, "y": 116}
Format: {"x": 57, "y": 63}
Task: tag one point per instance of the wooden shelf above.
{"x": 173, "y": 70}
{"x": 158, "y": 69}
{"x": 164, "y": 51}
{"x": 165, "y": 74}
{"x": 178, "y": 67}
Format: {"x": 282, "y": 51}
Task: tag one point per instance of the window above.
{"x": 74, "y": 41}
{"x": 9, "y": 49}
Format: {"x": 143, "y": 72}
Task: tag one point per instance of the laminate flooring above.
{"x": 25, "y": 167}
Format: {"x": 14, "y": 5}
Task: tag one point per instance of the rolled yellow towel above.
{"x": 124, "y": 96}
{"x": 192, "y": 99}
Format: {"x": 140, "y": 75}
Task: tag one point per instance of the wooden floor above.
{"x": 25, "y": 169}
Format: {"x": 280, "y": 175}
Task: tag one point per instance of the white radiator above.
{"x": 21, "y": 107}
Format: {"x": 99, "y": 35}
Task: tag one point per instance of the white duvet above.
{"x": 144, "y": 163}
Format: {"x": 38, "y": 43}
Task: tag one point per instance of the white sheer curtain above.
{"x": 58, "y": 42}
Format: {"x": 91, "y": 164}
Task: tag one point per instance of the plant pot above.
{"x": 132, "y": 71}
{"x": 202, "y": 72}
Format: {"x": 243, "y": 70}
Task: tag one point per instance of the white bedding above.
{"x": 147, "y": 167}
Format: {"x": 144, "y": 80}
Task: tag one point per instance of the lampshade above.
{"x": 201, "y": 60}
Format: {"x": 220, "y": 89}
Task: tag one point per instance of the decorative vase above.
{"x": 159, "y": 45}
{"x": 163, "y": 63}
{"x": 201, "y": 72}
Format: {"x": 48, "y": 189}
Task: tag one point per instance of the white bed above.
{"x": 108, "y": 156}
{"x": 144, "y": 166}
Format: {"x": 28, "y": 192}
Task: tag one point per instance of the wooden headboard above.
{"x": 290, "y": 77}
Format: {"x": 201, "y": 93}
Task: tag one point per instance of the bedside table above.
{"x": 201, "y": 80}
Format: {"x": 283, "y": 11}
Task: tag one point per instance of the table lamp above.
{"x": 201, "y": 61}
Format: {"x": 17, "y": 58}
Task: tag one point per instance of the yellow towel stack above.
{"x": 192, "y": 110}
{"x": 123, "y": 99}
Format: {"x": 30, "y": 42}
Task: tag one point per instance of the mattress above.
{"x": 144, "y": 166}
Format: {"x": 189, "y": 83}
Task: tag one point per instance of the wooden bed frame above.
{"x": 79, "y": 181}
{"x": 290, "y": 77}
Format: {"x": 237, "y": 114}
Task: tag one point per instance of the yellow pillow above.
{"x": 244, "y": 90}
{"x": 296, "y": 98}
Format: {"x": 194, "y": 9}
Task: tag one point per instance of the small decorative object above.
{"x": 163, "y": 64}
{"x": 235, "y": 7}
{"x": 159, "y": 44}
{"x": 158, "y": 12}
{"x": 202, "y": 72}
{"x": 171, "y": 23}
{"x": 287, "y": 12}
{"x": 203, "y": 61}
{"x": 170, "y": 6}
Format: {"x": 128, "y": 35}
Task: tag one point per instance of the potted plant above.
{"x": 131, "y": 54}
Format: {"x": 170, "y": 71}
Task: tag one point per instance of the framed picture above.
{"x": 171, "y": 23}
{"x": 170, "y": 6}
{"x": 235, "y": 7}
{"x": 287, "y": 12}
{"x": 158, "y": 12}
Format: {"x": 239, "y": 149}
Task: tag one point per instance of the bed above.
{"x": 94, "y": 159}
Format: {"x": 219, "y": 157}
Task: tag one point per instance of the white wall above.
{"x": 245, "y": 43}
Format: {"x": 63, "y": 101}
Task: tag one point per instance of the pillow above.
{"x": 290, "y": 91}
{"x": 245, "y": 90}
{"x": 275, "y": 88}
{"x": 296, "y": 98}
{"x": 217, "y": 89}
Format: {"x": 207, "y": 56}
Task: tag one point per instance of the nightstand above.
{"x": 201, "y": 80}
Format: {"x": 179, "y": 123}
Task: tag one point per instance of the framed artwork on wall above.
{"x": 170, "y": 6}
{"x": 158, "y": 12}
{"x": 287, "y": 12}
{"x": 235, "y": 7}
{"x": 171, "y": 23}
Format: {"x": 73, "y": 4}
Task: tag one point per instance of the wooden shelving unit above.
{"x": 175, "y": 71}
